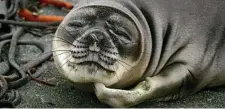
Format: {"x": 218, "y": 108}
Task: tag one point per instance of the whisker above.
{"x": 116, "y": 75}
{"x": 106, "y": 51}
{"x": 62, "y": 40}
{"x": 80, "y": 42}
{"x": 66, "y": 41}
{"x": 123, "y": 66}
{"x": 62, "y": 45}
{"x": 126, "y": 67}
{"x": 67, "y": 31}
{"x": 70, "y": 33}
{"x": 80, "y": 57}
{"x": 59, "y": 50}
{"x": 60, "y": 54}
{"x": 102, "y": 48}
{"x": 54, "y": 51}
{"x": 66, "y": 61}
{"x": 59, "y": 41}
{"x": 124, "y": 62}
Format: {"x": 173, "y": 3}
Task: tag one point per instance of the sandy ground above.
{"x": 64, "y": 95}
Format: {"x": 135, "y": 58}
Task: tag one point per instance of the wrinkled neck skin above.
{"x": 140, "y": 66}
{"x": 158, "y": 20}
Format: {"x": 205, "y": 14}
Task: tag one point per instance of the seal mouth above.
{"x": 101, "y": 60}
{"x": 91, "y": 63}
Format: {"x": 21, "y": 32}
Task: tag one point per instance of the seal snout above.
{"x": 95, "y": 39}
{"x": 95, "y": 47}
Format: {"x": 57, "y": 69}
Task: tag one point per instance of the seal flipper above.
{"x": 162, "y": 86}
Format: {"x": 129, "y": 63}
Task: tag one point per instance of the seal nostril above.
{"x": 94, "y": 37}
{"x": 94, "y": 47}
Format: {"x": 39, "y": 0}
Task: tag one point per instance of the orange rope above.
{"x": 58, "y": 3}
{"x": 27, "y": 15}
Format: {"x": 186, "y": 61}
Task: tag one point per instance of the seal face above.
{"x": 96, "y": 44}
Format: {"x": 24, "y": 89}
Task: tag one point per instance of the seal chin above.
{"x": 95, "y": 66}
{"x": 87, "y": 72}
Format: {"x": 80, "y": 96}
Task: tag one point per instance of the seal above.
{"x": 135, "y": 50}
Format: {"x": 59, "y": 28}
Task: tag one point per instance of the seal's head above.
{"x": 100, "y": 41}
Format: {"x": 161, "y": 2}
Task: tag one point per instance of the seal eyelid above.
{"x": 122, "y": 38}
{"x": 120, "y": 31}
{"x": 77, "y": 23}
{"x": 108, "y": 24}
{"x": 123, "y": 32}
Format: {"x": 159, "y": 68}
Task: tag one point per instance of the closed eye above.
{"x": 123, "y": 32}
{"x": 119, "y": 32}
{"x": 108, "y": 25}
{"x": 77, "y": 23}
{"x": 121, "y": 38}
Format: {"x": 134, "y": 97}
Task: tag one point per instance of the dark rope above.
{"x": 12, "y": 61}
{"x": 40, "y": 25}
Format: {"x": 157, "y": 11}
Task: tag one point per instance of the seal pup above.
{"x": 134, "y": 50}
